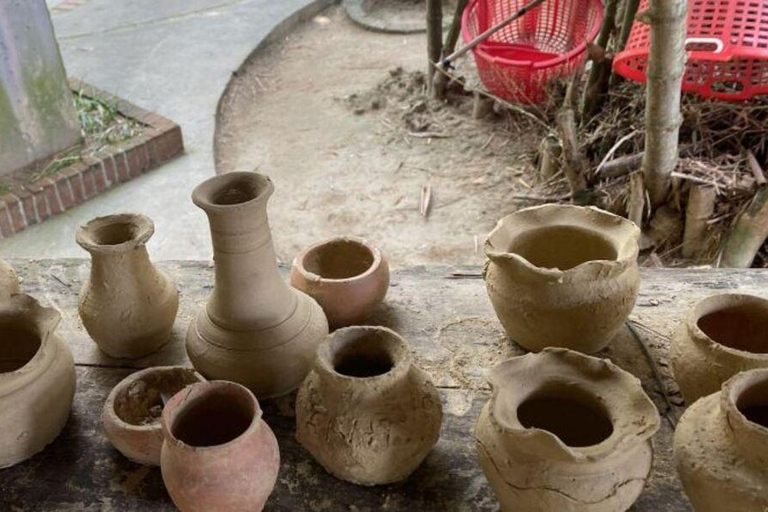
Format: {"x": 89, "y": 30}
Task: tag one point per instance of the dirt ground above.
{"x": 355, "y": 147}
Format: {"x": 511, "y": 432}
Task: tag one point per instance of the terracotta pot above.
{"x": 365, "y": 412}
{"x": 565, "y": 432}
{"x": 9, "y": 281}
{"x": 721, "y": 336}
{"x": 721, "y": 447}
{"x": 255, "y": 329}
{"x": 37, "y": 379}
{"x": 562, "y": 276}
{"x": 127, "y": 305}
{"x": 218, "y": 454}
{"x": 131, "y": 414}
{"x": 347, "y": 276}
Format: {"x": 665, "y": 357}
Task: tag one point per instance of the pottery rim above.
{"x": 395, "y": 347}
{"x": 199, "y": 390}
{"x": 298, "y": 262}
{"x": 750, "y": 435}
{"x": 582, "y": 368}
{"x": 715, "y": 303}
{"x": 42, "y": 322}
{"x": 139, "y": 225}
{"x": 588, "y": 218}
{"x": 251, "y": 188}
{"x": 130, "y": 379}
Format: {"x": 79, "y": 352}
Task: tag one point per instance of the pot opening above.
{"x": 562, "y": 247}
{"x": 141, "y": 402}
{"x": 214, "y": 418}
{"x": 18, "y": 346}
{"x": 742, "y": 327}
{"x": 339, "y": 259}
{"x": 575, "y": 417}
{"x": 365, "y": 356}
{"x": 753, "y": 404}
{"x": 115, "y": 233}
{"x": 238, "y": 191}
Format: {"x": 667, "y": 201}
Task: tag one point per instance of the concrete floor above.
{"x": 171, "y": 56}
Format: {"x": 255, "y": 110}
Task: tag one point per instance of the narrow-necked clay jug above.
{"x": 127, "y": 305}
{"x": 365, "y": 412}
{"x": 565, "y": 432}
{"x": 562, "y": 276}
{"x": 721, "y": 447}
{"x": 9, "y": 281}
{"x": 37, "y": 379}
{"x": 219, "y": 454}
{"x": 720, "y": 336}
{"x": 255, "y": 329}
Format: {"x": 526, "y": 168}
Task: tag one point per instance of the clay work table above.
{"x": 455, "y": 337}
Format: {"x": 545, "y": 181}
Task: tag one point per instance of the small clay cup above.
{"x": 721, "y": 336}
{"x": 131, "y": 414}
{"x": 347, "y": 276}
{"x": 218, "y": 453}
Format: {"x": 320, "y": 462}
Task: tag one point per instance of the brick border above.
{"x": 161, "y": 140}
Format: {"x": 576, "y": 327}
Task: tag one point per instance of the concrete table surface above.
{"x": 455, "y": 337}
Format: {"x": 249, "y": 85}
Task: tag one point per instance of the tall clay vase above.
{"x": 721, "y": 447}
{"x": 365, "y": 412}
{"x": 37, "y": 379}
{"x": 218, "y": 453}
{"x": 562, "y": 276}
{"x": 9, "y": 282}
{"x": 720, "y": 336}
{"x": 127, "y": 305}
{"x": 565, "y": 432}
{"x": 255, "y": 329}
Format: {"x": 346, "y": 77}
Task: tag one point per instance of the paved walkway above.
{"x": 171, "y": 56}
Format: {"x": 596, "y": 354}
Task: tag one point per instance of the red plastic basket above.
{"x": 727, "y": 49}
{"x": 550, "y": 41}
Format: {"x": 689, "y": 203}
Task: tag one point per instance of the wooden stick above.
{"x": 748, "y": 234}
{"x": 549, "y": 157}
{"x": 701, "y": 205}
{"x": 573, "y": 160}
{"x": 482, "y": 107}
{"x": 599, "y": 76}
{"x": 453, "y": 33}
{"x": 630, "y": 10}
{"x": 636, "y": 201}
{"x": 754, "y": 166}
{"x": 434, "y": 35}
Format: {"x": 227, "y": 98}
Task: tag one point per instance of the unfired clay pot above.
{"x": 127, "y": 305}
{"x": 9, "y": 282}
{"x": 720, "y": 336}
{"x": 365, "y": 412}
{"x": 562, "y": 276}
{"x": 37, "y": 379}
{"x": 131, "y": 414}
{"x": 347, "y": 276}
{"x": 218, "y": 454}
{"x": 565, "y": 432}
{"x": 721, "y": 447}
{"x": 255, "y": 329}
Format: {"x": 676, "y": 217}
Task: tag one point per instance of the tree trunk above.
{"x": 749, "y": 233}
{"x": 630, "y": 10}
{"x": 599, "y": 74}
{"x": 701, "y": 204}
{"x": 434, "y": 36}
{"x": 666, "y": 65}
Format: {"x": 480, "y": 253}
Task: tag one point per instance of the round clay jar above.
{"x": 720, "y": 336}
{"x": 37, "y": 379}
{"x": 565, "y": 432}
{"x": 562, "y": 276}
{"x": 347, "y": 276}
{"x": 9, "y": 281}
{"x": 218, "y": 453}
{"x": 131, "y": 414}
{"x": 721, "y": 447}
{"x": 365, "y": 412}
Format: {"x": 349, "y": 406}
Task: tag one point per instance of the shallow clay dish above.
{"x": 132, "y": 412}
{"x": 347, "y": 276}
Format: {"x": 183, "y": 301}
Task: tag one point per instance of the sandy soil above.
{"x": 345, "y": 135}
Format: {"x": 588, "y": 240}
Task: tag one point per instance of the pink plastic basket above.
{"x": 550, "y": 41}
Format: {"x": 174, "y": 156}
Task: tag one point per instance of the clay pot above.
{"x": 565, "y": 432}
{"x": 347, "y": 276}
{"x": 365, "y": 412}
{"x": 218, "y": 454}
{"x": 562, "y": 276}
{"x": 127, "y": 305}
{"x": 255, "y": 329}
{"x": 37, "y": 379}
{"x": 9, "y": 281}
{"x": 721, "y": 447}
{"x": 131, "y": 414}
{"x": 721, "y": 336}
